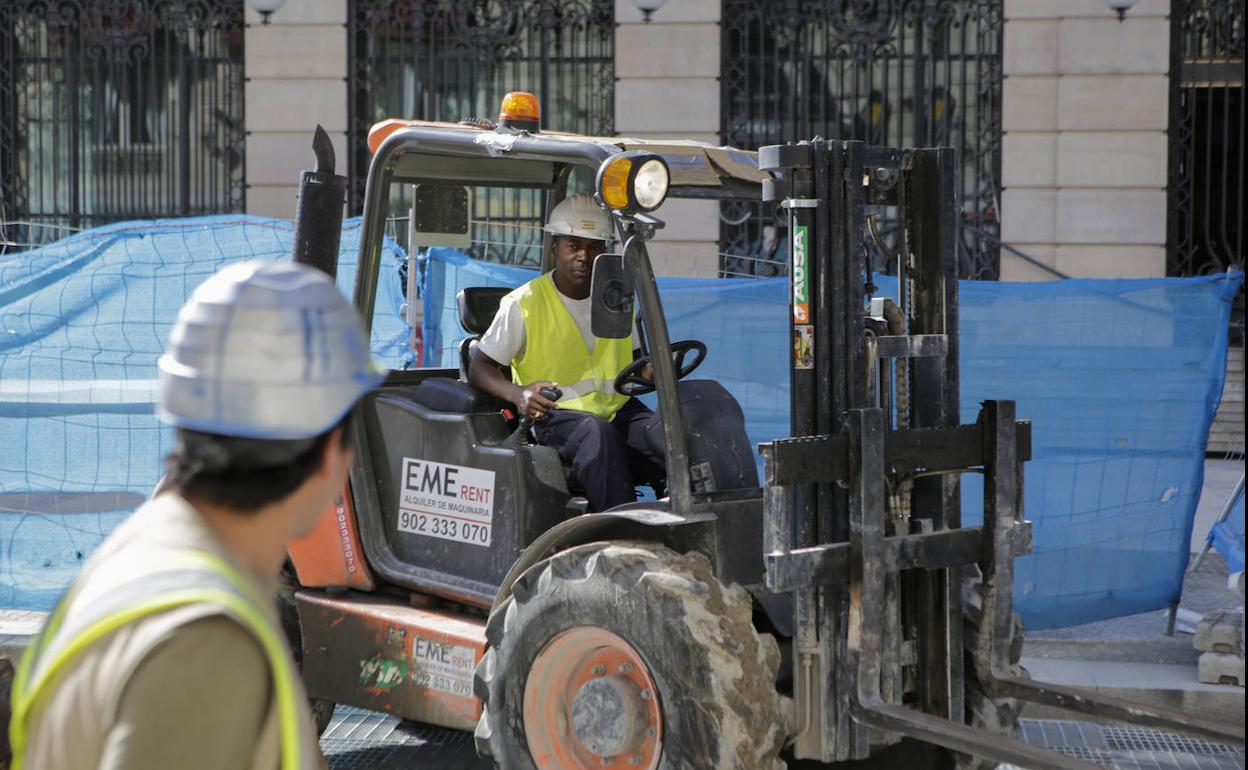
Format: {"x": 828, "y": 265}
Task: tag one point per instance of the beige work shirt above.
{"x": 188, "y": 688}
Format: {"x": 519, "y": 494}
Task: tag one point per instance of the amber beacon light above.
{"x": 520, "y": 111}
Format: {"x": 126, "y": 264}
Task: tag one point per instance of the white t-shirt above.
{"x": 504, "y": 340}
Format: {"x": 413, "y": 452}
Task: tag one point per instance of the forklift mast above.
{"x": 862, "y": 519}
{"x": 828, "y": 190}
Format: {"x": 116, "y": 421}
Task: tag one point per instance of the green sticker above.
{"x": 801, "y": 276}
{"x": 382, "y": 673}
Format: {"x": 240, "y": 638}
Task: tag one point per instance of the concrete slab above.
{"x": 1158, "y": 684}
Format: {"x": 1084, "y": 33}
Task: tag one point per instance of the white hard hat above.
{"x": 266, "y": 350}
{"x": 581, "y": 216}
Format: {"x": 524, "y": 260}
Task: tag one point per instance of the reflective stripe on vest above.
{"x": 186, "y": 578}
{"x": 559, "y": 353}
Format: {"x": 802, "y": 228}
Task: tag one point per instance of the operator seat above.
{"x": 477, "y": 307}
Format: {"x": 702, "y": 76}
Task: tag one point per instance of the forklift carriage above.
{"x": 839, "y": 612}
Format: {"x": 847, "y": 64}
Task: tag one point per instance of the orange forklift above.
{"x": 459, "y": 582}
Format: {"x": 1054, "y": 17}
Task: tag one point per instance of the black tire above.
{"x": 715, "y": 675}
{"x": 996, "y": 715}
{"x": 288, "y": 583}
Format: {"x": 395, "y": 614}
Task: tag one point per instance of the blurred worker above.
{"x": 544, "y": 333}
{"x": 167, "y": 651}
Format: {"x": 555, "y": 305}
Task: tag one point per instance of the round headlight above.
{"x": 633, "y": 181}
{"x": 650, "y": 184}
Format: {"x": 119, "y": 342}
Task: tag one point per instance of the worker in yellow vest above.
{"x": 167, "y": 651}
{"x": 544, "y": 333}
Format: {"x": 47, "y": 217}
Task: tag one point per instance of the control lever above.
{"x": 520, "y": 436}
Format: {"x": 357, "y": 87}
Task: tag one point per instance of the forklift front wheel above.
{"x": 628, "y": 655}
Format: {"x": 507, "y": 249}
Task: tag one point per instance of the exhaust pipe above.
{"x": 318, "y": 218}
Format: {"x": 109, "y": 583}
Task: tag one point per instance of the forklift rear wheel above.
{"x": 996, "y": 715}
{"x": 628, "y": 655}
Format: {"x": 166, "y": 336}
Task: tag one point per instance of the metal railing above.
{"x": 452, "y": 60}
{"x": 113, "y": 111}
{"x": 902, "y": 73}
{"x": 1205, "y": 227}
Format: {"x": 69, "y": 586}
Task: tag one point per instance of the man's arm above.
{"x": 483, "y": 372}
{"x": 504, "y": 341}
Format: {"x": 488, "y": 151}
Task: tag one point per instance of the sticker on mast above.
{"x": 450, "y": 502}
{"x": 803, "y": 346}
{"x": 801, "y": 275}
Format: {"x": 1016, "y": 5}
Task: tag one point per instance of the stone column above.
{"x": 296, "y": 78}
{"x": 668, "y": 88}
{"x": 1084, "y": 157}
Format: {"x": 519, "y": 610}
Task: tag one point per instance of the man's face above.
{"x": 574, "y": 259}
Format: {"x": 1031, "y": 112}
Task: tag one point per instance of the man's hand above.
{"x": 531, "y": 403}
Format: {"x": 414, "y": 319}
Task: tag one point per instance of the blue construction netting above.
{"x": 1227, "y": 536}
{"x": 82, "y": 322}
{"x": 1120, "y": 378}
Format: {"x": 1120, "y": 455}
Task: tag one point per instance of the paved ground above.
{"x": 359, "y": 740}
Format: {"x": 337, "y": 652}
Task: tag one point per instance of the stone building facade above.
{"x": 1084, "y": 150}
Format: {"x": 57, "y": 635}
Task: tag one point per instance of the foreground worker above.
{"x": 544, "y": 333}
{"x": 167, "y": 651}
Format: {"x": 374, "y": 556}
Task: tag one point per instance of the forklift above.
{"x": 839, "y": 612}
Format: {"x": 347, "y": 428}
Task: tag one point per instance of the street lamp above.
{"x": 648, "y": 7}
{"x": 1120, "y": 7}
{"x": 265, "y": 8}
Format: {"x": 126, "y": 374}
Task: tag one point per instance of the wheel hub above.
{"x": 590, "y": 702}
{"x": 608, "y": 716}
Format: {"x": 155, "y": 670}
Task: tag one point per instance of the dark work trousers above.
{"x": 608, "y": 459}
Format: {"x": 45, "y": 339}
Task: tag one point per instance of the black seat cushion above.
{"x": 478, "y": 305}
{"x": 446, "y": 395}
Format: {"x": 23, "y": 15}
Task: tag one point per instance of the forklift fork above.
{"x": 867, "y": 580}
{"x": 1002, "y": 496}
{"x": 860, "y": 459}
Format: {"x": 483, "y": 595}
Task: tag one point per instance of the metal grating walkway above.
{"x": 363, "y": 740}
{"x": 1130, "y": 748}
{"x": 366, "y": 740}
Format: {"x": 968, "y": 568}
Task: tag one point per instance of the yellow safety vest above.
{"x": 554, "y": 350}
{"x": 184, "y": 578}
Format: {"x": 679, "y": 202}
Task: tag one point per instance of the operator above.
{"x": 167, "y": 651}
{"x": 543, "y": 331}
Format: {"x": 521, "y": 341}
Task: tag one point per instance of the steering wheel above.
{"x": 631, "y": 383}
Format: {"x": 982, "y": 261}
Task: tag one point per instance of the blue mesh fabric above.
{"x": 1120, "y": 378}
{"x": 82, "y": 322}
